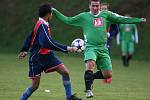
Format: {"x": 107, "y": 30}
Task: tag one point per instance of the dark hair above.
{"x": 105, "y": 3}
{"x": 44, "y": 9}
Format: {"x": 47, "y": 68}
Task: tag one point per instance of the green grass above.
{"x": 131, "y": 83}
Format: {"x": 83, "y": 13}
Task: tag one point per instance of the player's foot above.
{"x": 73, "y": 97}
{"x": 108, "y": 80}
{"x": 88, "y": 94}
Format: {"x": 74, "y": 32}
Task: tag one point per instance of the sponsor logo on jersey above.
{"x": 127, "y": 29}
{"x": 98, "y": 22}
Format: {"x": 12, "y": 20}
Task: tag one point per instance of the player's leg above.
{"x": 66, "y": 82}
{"x": 105, "y": 67}
{"x": 130, "y": 51}
{"x": 109, "y": 41}
{"x": 124, "y": 50}
{"x": 90, "y": 58}
{"x": 88, "y": 77}
{"x": 54, "y": 64}
{"x": 108, "y": 76}
{"x": 29, "y": 90}
{"x": 34, "y": 73}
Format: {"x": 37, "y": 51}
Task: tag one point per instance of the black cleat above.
{"x": 73, "y": 97}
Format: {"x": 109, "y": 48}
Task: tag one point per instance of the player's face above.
{"x": 49, "y": 16}
{"x": 104, "y": 7}
{"x": 95, "y": 7}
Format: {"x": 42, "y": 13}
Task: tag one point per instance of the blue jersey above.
{"x": 113, "y": 31}
{"x": 40, "y": 40}
{"x": 40, "y": 44}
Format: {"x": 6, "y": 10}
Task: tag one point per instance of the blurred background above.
{"x": 18, "y": 17}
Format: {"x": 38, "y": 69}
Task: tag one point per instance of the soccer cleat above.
{"x": 73, "y": 97}
{"x": 108, "y": 80}
{"x": 88, "y": 93}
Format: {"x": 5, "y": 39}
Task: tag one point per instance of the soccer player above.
{"x": 42, "y": 58}
{"x": 112, "y": 29}
{"x": 94, "y": 24}
{"x": 127, "y": 36}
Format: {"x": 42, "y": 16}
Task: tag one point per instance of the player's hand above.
{"x": 108, "y": 34}
{"x": 72, "y": 49}
{"x": 143, "y": 19}
{"x": 22, "y": 55}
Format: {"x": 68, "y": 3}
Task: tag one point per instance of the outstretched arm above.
{"x": 115, "y": 18}
{"x": 136, "y": 34}
{"x": 75, "y": 21}
{"x": 46, "y": 41}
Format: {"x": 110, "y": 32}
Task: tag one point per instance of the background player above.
{"x": 127, "y": 37}
{"x": 112, "y": 29}
{"x": 42, "y": 57}
{"x": 94, "y": 24}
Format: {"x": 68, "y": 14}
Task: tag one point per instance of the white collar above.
{"x": 96, "y": 14}
{"x": 45, "y": 22}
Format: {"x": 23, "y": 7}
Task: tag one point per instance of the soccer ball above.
{"x": 79, "y": 43}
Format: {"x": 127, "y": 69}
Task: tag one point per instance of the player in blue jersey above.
{"x": 42, "y": 58}
{"x": 112, "y": 29}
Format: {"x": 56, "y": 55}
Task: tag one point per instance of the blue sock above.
{"x": 27, "y": 93}
{"x": 67, "y": 85}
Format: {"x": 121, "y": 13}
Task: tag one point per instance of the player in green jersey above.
{"x": 127, "y": 36}
{"x": 94, "y": 24}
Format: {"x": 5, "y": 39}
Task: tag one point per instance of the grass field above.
{"x": 131, "y": 83}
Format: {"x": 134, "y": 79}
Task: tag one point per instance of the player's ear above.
{"x": 50, "y": 15}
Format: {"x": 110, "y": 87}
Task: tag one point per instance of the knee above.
{"x": 107, "y": 74}
{"x": 90, "y": 65}
{"x": 35, "y": 87}
{"x": 62, "y": 70}
{"x": 35, "y": 84}
{"x": 66, "y": 74}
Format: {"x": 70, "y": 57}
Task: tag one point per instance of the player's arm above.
{"x": 75, "y": 21}
{"x": 115, "y": 18}
{"x": 46, "y": 41}
{"x": 26, "y": 46}
{"x": 118, "y": 39}
{"x": 136, "y": 34}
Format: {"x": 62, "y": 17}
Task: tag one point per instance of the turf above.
{"x": 132, "y": 83}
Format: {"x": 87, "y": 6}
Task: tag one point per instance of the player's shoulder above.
{"x": 105, "y": 12}
{"x": 84, "y": 13}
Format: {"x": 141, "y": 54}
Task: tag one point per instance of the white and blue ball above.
{"x": 79, "y": 43}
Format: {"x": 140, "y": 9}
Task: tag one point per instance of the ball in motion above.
{"x": 79, "y": 43}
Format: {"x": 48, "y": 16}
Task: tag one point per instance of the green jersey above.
{"x": 94, "y": 26}
{"x": 128, "y": 32}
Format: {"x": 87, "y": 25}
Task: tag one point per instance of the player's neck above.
{"x": 95, "y": 14}
{"x": 44, "y": 19}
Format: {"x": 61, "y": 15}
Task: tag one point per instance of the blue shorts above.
{"x": 42, "y": 62}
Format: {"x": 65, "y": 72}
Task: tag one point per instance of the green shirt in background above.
{"x": 128, "y": 32}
